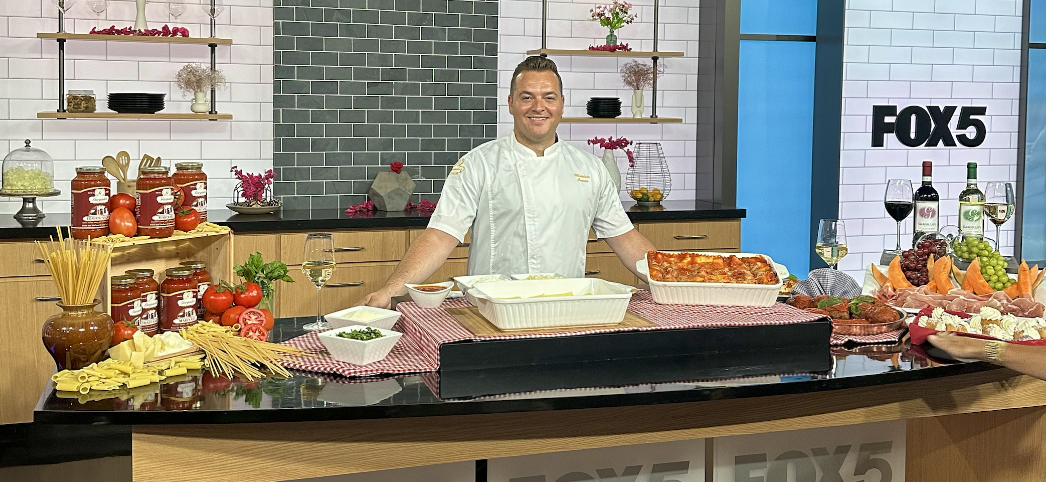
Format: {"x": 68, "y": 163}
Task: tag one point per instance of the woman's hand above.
{"x": 959, "y": 346}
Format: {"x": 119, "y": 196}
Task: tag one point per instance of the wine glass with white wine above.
{"x": 998, "y": 205}
{"x": 318, "y": 265}
{"x": 831, "y": 242}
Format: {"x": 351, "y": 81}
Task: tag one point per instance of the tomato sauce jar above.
{"x": 178, "y": 299}
{"x": 90, "y": 203}
{"x": 189, "y": 177}
{"x": 149, "y": 321}
{"x": 125, "y": 300}
{"x": 154, "y": 193}
{"x": 203, "y": 281}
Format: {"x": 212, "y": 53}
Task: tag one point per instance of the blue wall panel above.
{"x": 1037, "y": 23}
{"x": 779, "y": 17}
{"x": 1033, "y": 236}
{"x": 774, "y": 149}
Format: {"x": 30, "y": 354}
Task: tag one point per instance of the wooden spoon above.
{"x": 112, "y": 167}
{"x": 123, "y": 159}
{"x": 146, "y": 159}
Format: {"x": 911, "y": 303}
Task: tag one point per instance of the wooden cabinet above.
{"x": 350, "y": 246}
{"x": 26, "y": 367}
{"x": 21, "y": 258}
{"x": 347, "y": 286}
{"x": 694, "y": 235}
{"x": 247, "y": 244}
{"x": 607, "y": 266}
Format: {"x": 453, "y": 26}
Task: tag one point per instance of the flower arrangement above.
{"x": 613, "y": 16}
{"x": 194, "y": 78}
{"x": 366, "y": 209}
{"x": 611, "y": 144}
{"x": 166, "y": 31}
{"x": 255, "y": 189}
{"x": 639, "y": 75}
{"x": 611, "y": 48}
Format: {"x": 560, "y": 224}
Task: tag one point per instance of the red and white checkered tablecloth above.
{"x": 888, "y": 337}
{"x": 424, "y": 330}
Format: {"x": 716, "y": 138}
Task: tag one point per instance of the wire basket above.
{"x": 648, "y": 180}
{"x": 267, "y": 198}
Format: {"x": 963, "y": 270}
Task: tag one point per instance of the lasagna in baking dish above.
{"x": 710, "y": 268}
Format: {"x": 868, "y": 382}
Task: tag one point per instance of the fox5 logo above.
{"x": 930, "y": 125}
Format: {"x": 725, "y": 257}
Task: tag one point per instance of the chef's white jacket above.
{"x": 529, "y": 214}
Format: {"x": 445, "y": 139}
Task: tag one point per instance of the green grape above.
{"x": 990, "y": 270}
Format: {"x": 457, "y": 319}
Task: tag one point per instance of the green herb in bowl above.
{"x": 365, "y": 334}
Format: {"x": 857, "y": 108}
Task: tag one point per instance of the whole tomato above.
{"x": 248, "y": 295}
{"x": 269, "y": 319}
{"x": 232, "y": 315}
{"x": 212, "y": 317}
{"x": 121, "y": 221}
{"x": 122, "y": 332}
{"x": 218, "y": 298}
{"x": 122, "y": 200}
{"x": 186, "y": 219}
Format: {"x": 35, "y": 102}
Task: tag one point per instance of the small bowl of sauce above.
{"x": 429, "y": 295}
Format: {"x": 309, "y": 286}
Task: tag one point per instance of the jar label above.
{"x": 179, "y": 310}
{"x": 127, "y": 311}
{"x": 149, "y": 321}
{"x": 90, "y": 208}
{"x": 195, "y": 196}
{"x": 200, "y": 310}
{"x": 155, "y": 208}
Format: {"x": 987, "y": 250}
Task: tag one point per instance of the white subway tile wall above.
{"x": 28, "y": 84}
{"x": 905, "y": 52}
{"x": 519, "y": 30}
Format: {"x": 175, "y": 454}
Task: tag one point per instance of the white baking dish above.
{"x": 722, "y": 294}
{"x": 591, "y": 302}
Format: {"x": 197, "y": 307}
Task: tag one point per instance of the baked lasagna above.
{"x": 710, "y": 268}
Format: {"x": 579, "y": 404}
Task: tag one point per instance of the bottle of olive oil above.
{"x": 971, "y": 205}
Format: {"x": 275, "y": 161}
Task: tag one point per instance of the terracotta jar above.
{"x": 78, "y": 336}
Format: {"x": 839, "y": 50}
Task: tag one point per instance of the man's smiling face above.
{"x": 536, "y": 105}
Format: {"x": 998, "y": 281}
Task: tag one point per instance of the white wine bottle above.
{"x": 971, "y": 205}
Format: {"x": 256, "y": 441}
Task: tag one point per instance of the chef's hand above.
{"x": 378, "y": 299}
{"x": 959, "y": 346}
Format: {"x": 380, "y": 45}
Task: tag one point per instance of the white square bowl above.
{"x": 385, "y": 320}
{"x": 359, "y": 352}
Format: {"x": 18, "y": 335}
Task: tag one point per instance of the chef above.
{"x": 529, "y": 198}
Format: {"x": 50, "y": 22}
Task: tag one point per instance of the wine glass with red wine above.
{"x": 899, "y": 202}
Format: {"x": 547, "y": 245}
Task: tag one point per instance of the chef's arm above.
{"x": 629, "y": 248}
{"x": 1027, "y": 359}
{"x": 425, "y": 255}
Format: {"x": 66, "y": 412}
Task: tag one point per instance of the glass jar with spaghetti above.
{"x": 90, "y": 203}
{"x": 154, "y": 210}
{"x": 189, "y": 177}
{"x": 178, "y": 299}
{"x": 149, "y": 321}
{"x": 203, "y": 281}
{"x": 125, "y": 299}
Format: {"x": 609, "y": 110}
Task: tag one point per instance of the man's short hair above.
{"x": 535, "y": 63}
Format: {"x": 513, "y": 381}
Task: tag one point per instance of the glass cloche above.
{"x": 28, "y": 171}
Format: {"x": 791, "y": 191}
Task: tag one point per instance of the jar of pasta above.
{"x": 149, "y": 321}
{"x": 125, "y": 299}
{"x": 203, "y": 281}
{"x": 154, "y": 210}
{"x": 90, "y": 203}
{"x": 189, "y": 177}
{"x": 178, "y": 299}
{"x": 81, "y": 101}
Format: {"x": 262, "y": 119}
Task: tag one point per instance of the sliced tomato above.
{"x": 252, "y": 316}
{"x": 254, "y": 332}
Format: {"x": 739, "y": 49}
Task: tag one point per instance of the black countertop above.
{"x": 312, "y": 397}
{"x": 292, "y": 220}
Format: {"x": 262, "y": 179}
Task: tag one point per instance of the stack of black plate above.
{"x": 604, "y": 107}
{"x": 135, "y": 103}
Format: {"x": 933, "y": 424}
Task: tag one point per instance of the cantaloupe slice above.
{"x": 932, "y": 286}
{"x": 958, "y": 274}
{"x": 1024, "y": 280}
{"x": 940, "y": 272}
{"x": 1012, "y": 291}
{"x": 896, "y": 274}
{"x": 879, "y": 276}
{"x": 975, "y": 280}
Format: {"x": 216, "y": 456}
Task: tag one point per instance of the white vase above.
{"x": 611, "y": 164}
{"x": 139, "y": 21}
{"x": 200, "y": 104}
{"x": 637, "y": 103}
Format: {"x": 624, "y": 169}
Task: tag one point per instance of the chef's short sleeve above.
{"x": 610, "y": 219}
{"x": 459, "y": 200}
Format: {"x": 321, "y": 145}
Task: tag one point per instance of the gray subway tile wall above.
{"x": 360, "y": 84}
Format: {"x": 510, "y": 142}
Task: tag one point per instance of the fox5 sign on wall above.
{"x": 868, "y": 453}
{"x": 661, "y": 462}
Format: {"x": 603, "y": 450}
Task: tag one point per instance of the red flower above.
{"x": 611, "y": 143}
{"x": 396, "y": 167}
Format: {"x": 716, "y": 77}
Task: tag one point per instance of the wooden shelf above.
{"x": 114, "y": 115}
{"x": 621, "y": 120}
{"x": 134, "y": 38}
{"x": 601, "y": 53}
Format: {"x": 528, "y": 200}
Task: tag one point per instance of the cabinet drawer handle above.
{"x": 344, "y": 285}
{"x": 48, "y": 298}
{"x": 594, "y": 240}
{"x": 39, "y": 260}
{"x": 592, "y": 272}
{"x": 698, "y": 236}
{"x": 353, "y": 248}
{"x": 463, "y": 245}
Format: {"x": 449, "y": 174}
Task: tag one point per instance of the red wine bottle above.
{"x": 927, "y": 205}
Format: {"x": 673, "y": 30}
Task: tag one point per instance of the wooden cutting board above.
{"x": 473, "y": 321}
